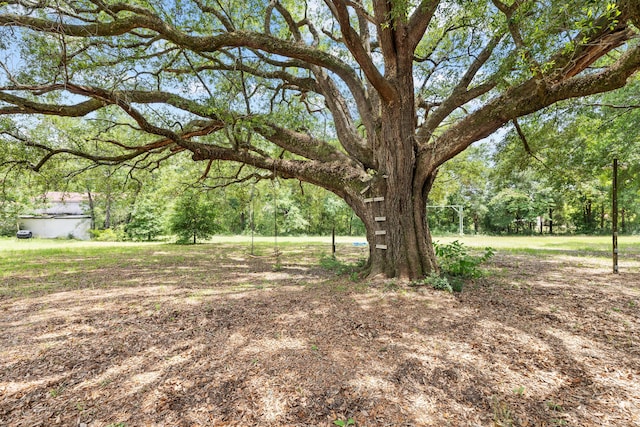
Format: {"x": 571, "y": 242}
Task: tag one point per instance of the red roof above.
{"x": 64, "y": 197}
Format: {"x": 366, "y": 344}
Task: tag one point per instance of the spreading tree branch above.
{"x": 525, "y": 99}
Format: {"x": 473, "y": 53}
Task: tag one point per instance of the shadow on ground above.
{"x": 218, "y": 337}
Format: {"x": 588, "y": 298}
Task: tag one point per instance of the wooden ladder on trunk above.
{"x": 380, "y": 218}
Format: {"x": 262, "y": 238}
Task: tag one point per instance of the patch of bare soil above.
{"x": 223, "y": 339}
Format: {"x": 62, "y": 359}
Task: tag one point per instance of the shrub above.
{"x": 109, "y": 235}
{"x": 455, "y": 260}
{"x": 435, "y": 281}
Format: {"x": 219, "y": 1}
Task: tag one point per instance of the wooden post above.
{"x": 275, "y": 222}
{"x": 253, "y": 228}
{"x": 614, "y": 216}
{"x": 333, "y": 241}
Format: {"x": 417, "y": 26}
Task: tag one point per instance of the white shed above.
{"x": 61, "y": 215}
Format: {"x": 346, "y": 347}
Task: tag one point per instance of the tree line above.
{"x": 525, "y": 182}
{"x": 553, "y": 174}
{"x": 173, "y": 202}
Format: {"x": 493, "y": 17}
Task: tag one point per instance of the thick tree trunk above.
{"x": 394, "y": 208}
{"x": 397, "y": 232}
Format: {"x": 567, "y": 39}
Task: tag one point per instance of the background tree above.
{"x": 510, "y": 211}
{"x": 13, "y": 202}
{"x": 403, "y": 86}
{"x": 194, "y": 217}
{"x": 146, "y": 220}
{"x": 464, "y": 180}
{"x": 566, "y": 154}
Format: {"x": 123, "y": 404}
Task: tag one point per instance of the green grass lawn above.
{"x": 549, "y": 244}
{"x": 50, "y": 257}
{"x": 47, "y": 265}
{"x": 529, "y": 244}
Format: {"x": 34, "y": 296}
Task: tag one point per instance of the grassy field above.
{"x": 526, "y": 244}
{"x": 30, "y": 254}
{"x": 64, "y": 261}
{"x": 549, "y": 244}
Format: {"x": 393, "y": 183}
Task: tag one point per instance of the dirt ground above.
{"x": 221, "y": 338}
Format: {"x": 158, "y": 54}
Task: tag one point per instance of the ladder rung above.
{"x": 380, "y": 218}
{"x": 381, "y": 246}
{"x": 368, "y": 200}
{"x": 380, "y": 232}
{"x": 365, "y": 189}
{"x": 378, "y": 199}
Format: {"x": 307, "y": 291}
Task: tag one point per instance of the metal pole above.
{"x": 461, "y": 219}
{"x": 614, "y": 225}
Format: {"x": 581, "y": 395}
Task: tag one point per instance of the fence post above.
{"x": 614, "y": 216}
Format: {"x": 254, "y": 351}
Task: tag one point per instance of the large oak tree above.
{"x": 365, "y": 98}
